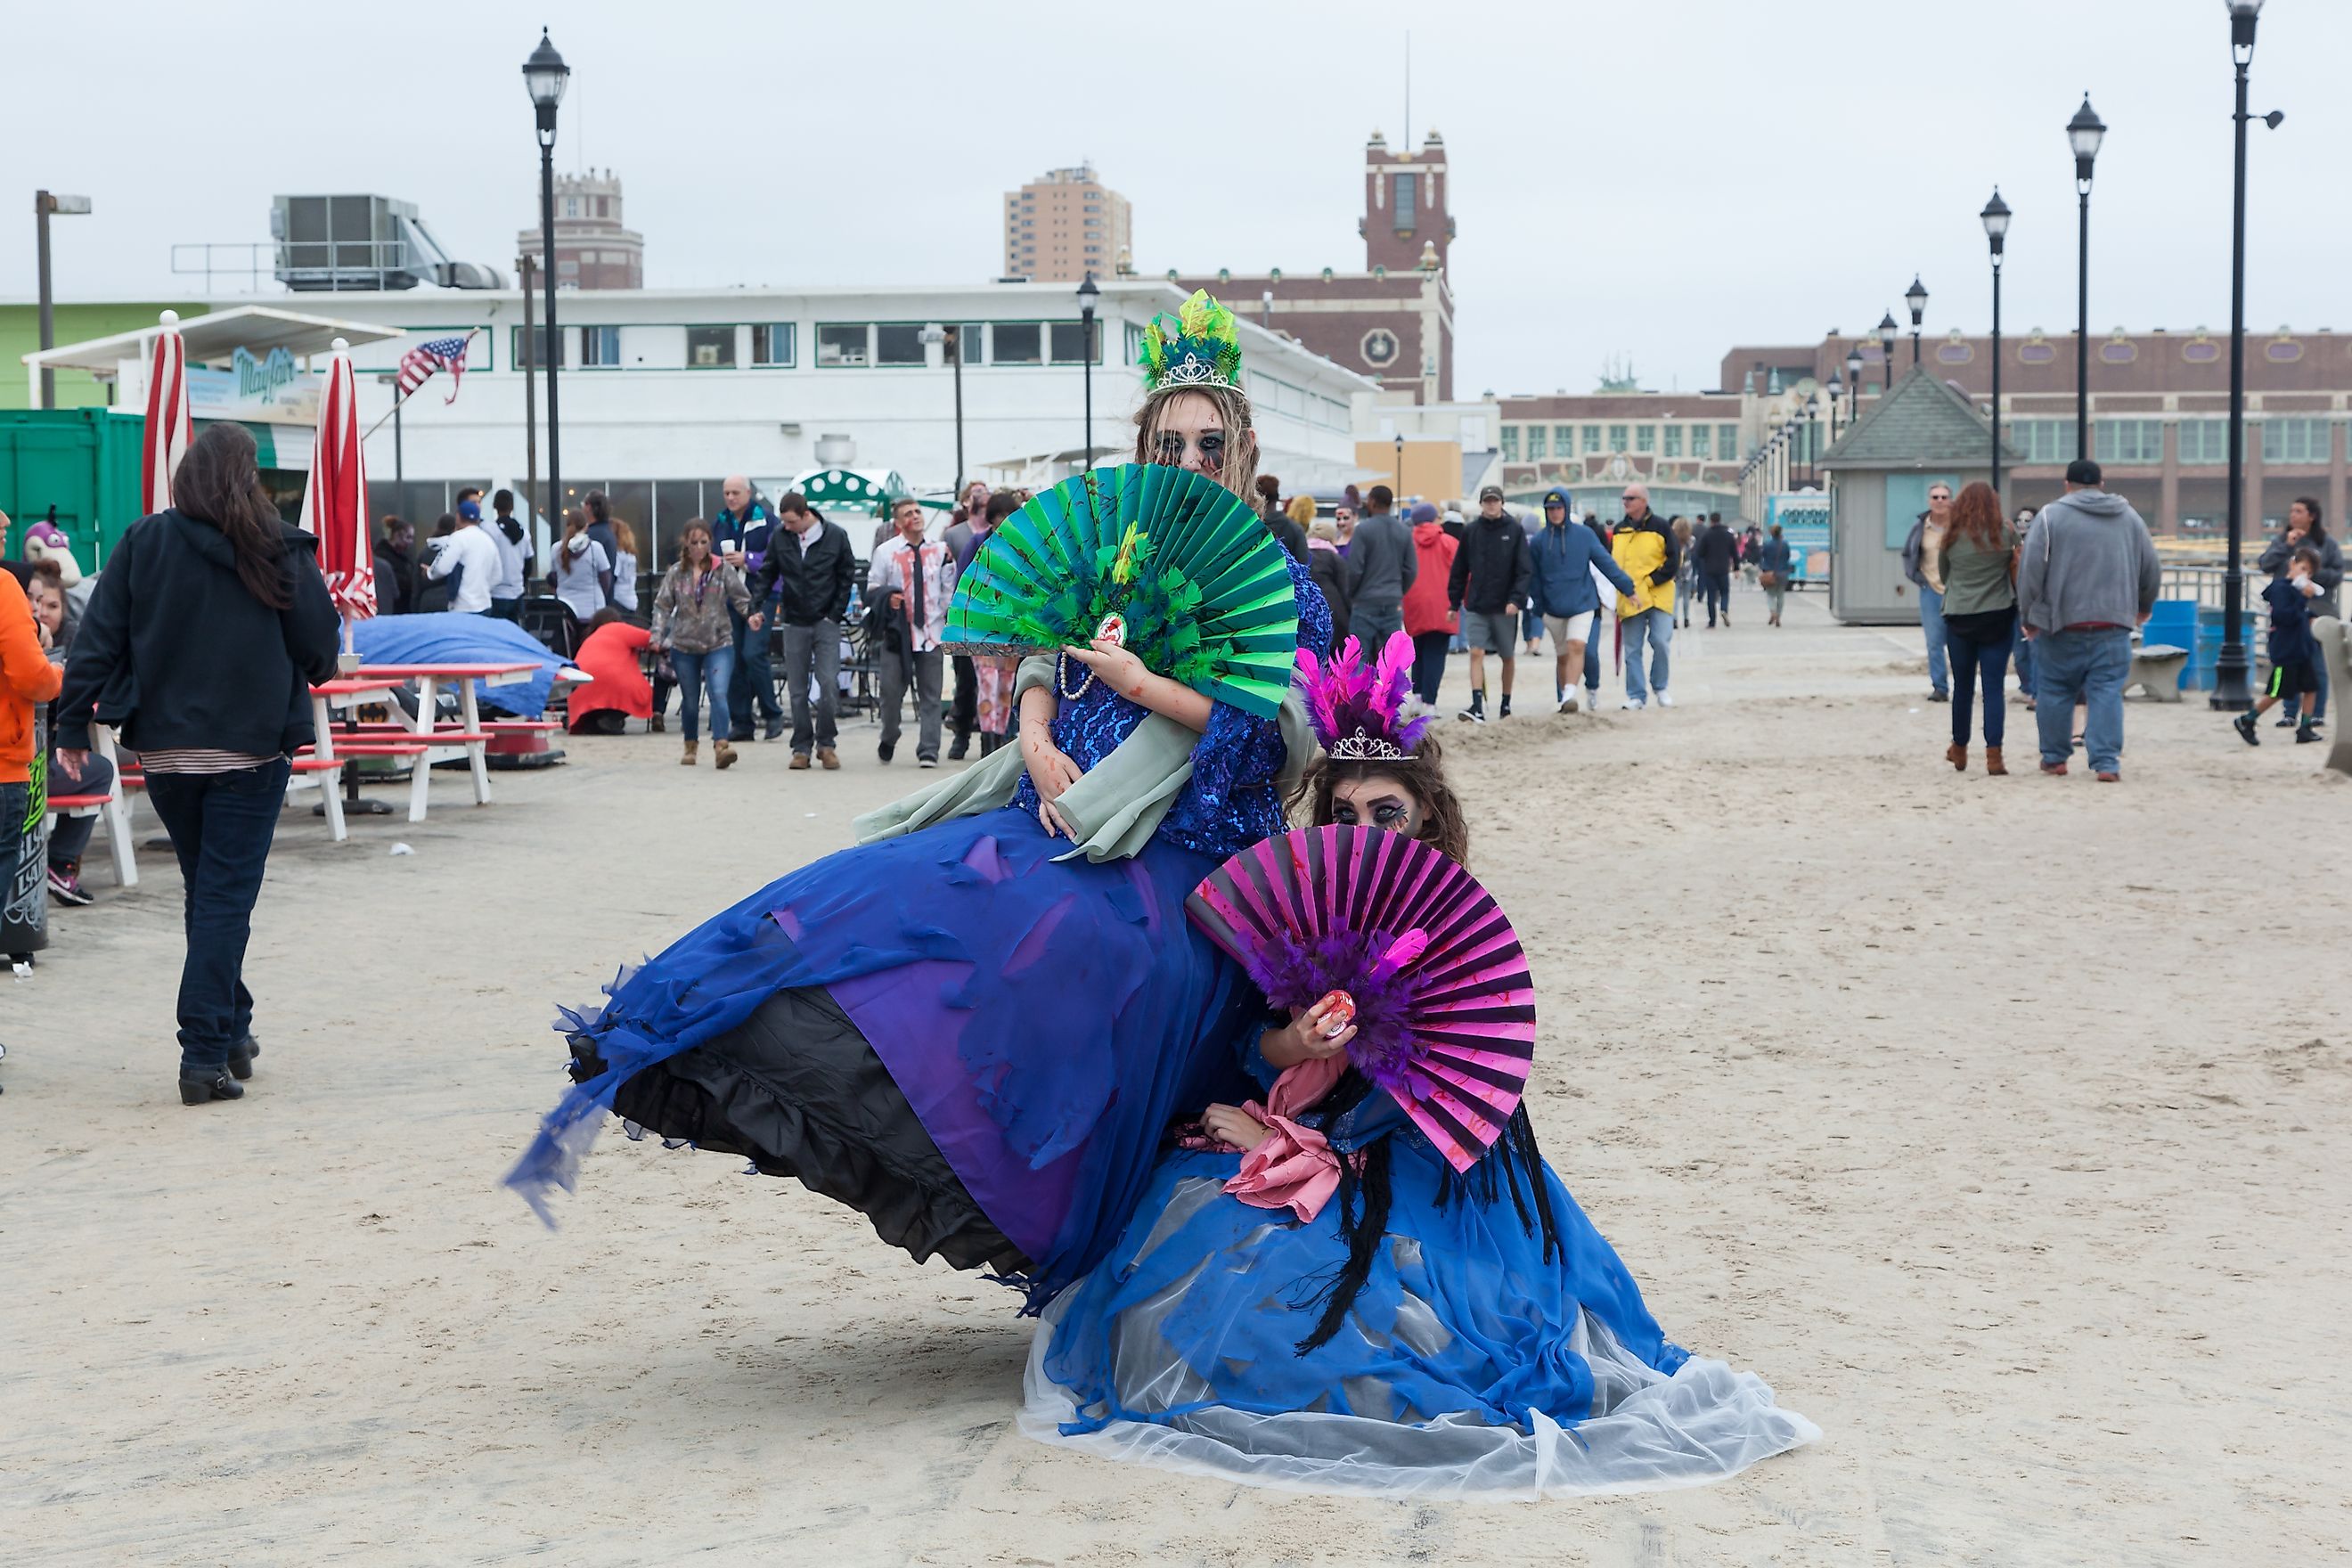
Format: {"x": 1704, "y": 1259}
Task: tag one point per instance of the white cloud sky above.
{"x": 1654, "y": 178}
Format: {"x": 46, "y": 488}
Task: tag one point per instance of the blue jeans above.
{"x": 1593, "y": 651}
{"x": 695, "y": 672}
{"x": 1658, "y": 628}
{"x": 221, "y": 826}
{"x": 1972, "y": 660}
{"x": 758, "y": 685}
{"x": 2021, "y": 650}
{"x": 1931, "y": 625}
{"x": 2088, "y": 666}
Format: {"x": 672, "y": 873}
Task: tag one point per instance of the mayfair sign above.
{"x": 266, "y": 391}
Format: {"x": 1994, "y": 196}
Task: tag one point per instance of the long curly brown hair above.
{"x": 1444, "y": 828}
{"x": 1976, "y": 516}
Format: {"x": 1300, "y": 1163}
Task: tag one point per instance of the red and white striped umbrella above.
{"x": 169, "y": 429}
{"x": 334, "y": 502}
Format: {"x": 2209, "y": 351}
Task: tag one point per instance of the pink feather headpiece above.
{"x": 1356, "y": 707}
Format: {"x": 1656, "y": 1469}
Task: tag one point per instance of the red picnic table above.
{"x": 421, "y": 739}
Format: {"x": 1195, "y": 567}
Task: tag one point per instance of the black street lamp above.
{"x": 1836, "y": 391}
{"x": 1087, "y": 297}
{"x": 950, "y": 339}
{"x": 1814, "y": 438}
{"x": 2232, "y": 687}
{"x": 1854, "y": 382}
{"x": 1399, "y": 484}
{"x": 2084, "y": 132}
{"x": 1916, "y": 297}
{"x": 1886, "y": 352}
{"x": 546, "y": 75}
{"x": 1996, "y": 226}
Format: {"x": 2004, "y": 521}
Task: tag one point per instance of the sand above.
{"x": 2000, "y": 1124}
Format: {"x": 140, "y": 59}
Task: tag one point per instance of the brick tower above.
{"x": 1404, "y": 204}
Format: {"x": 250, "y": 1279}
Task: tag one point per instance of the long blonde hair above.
{"x": 1240, "y": 473}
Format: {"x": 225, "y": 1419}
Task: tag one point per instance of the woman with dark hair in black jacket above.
{"x": 207, "y": 629}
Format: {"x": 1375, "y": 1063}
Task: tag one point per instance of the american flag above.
{"x": 417, "y": 365}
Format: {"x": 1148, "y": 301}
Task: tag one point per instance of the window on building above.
{"x": 2204, "y": 441}
{"x": 709, "y": 347}
{"x": 1134, "y": 343}
{"x": 1701, "y": 440}
{"x": 1534, "y": 443}
{"x": 599, "y": 345}
{"x": 1617, "y": 437}
{"x": 1592, "y": 438}
{"x": 2295, "y": 441}
{"x": 1510, "y": 443}
{"x": 1401, "y": 188}
{"x": 1674, "y": 447}
{"x": 571, "y": 206}
{"x": 1069, "y": 342}
{"x": 2130, "y": 440}
{"x": 1726, "y": 440}
{"x": 1018, "y": 343}
{"x": 1645, "y": 437}
{"x": 536, "y": 347}
{"x": 2043, "y": 440}
{"x": 771, "y": 343}
{"x": 603, "y": 207}
{"x": 898, "y": 343}
{"x": 1563, "y": 440}
{"x": 842, "y": 343}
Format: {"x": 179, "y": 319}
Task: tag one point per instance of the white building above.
{"x": 666, "y": 391}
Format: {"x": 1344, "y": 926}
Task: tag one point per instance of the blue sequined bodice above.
{"x": 1229, "y": 802}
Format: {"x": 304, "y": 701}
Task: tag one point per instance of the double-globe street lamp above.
{"x": 1853, "y": 383}
{"x": 2084, "y": 133}
{"x": 1996, "y": 226}
{"x": 2232, "y": 687}
{"x": 1916, "y": 297}
{"x": 546, "y": 76}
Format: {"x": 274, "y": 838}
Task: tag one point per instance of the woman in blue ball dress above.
{"x": 976, "y": 1043}
{"x": 1411, "y": 1331}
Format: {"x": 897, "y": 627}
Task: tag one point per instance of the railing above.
{"x": 318, "y": 264}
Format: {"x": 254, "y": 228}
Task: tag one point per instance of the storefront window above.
{"x": 1019, "y": 342}
{"x": 711, "y": 348}
{"x": 842, "y": 343}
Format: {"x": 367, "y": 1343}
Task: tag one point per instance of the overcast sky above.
{"x": 1659, "y": 179}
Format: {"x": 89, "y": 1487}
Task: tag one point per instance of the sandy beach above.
{"x": 2000, "y": 1124}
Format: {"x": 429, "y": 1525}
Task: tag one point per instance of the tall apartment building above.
{"x": 1063, "y": 225}
{"x": 592, "y": 250}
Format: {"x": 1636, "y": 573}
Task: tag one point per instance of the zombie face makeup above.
{"x": 1379, "y": 802}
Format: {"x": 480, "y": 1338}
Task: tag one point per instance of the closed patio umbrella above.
{"x": 335, "y": 501}
{"x": 169, "y": 428}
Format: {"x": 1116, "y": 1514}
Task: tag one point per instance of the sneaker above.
{"x": 775, "y": 730}
{"x": 886, "y": 750}
{"x": 1663, "y": 700}
{"x": 1592, "y": 700}
{"x": 1631, "y": 705}
{"x": 66, "y": 889}
{"x": 2244, "y": 725}
{"x": 1477, "y": 712}
{"x": 1506, "y": 711}
{"x": 1568, "y": 704}
{"x": 2305, "y": 734}
{"x": 1939, "y": 696}
{"x": 927, "y": 762}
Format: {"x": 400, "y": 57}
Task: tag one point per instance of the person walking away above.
{"x": 1330, "y": 570}
{"x": 2294, "y": 652}
{"x": 396, "y": 568}
{"x": 617, "y": 690}
{"x": 695, "y": 610}
{"x": 1287, "y": 534}
{"x": 1678, "y": 530}
{"x": 2087, "y": 575}
{"x": 2305, "y": 527}
{"x": 803, "y": 587}
{"x": 742, "y": 530}
{"x": 514, "y": 567}
{"x": 580, "y": 574}
{"x": 466, "y": 557}
{"x": 964, "y": 537}
{"x": 607, "y": 537}
{"x": 1604, "y": 592}
{"x": 1645, "y": 552}
{"x": 914, "y": 578}
{"x": 1488, "y": 587}
{"x": 1562, "y": 566}
{"x": 1531, "y": 626}
{"x": 1751, "y": 551}
{"x": 1930, "y": 528}
{"x": 2022, "y": 653}
{"x": 1381, "y": 564}
{"x": 624, "y": 568}
{"x": 1974, "y": 562}
{"x": 210, "y": 625}
{"x": 1772, "y": 574}
{"x": 1718, "y": 551}
{"x": 1429, "y": 617}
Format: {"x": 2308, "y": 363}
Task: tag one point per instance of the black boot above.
{"x": 240, "y": 1057}
{"x": 208, "y": 1084}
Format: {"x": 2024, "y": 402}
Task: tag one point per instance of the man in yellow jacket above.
{"x": 1646, "y": 552}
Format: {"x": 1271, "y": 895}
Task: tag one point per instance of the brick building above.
{"x": 2159, "y": 412}
{"x": 1393, "y": 321}
{"x": 592, "y": 249}
{"x": 1063, "y": 225}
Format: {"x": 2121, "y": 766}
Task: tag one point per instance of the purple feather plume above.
{"x": 1375, "y": 970}
{"x": 1347, "y": 696}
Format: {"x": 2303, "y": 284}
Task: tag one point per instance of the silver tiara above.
{"x": 1194, "y": 371}
{"x": 1362, "y": 748}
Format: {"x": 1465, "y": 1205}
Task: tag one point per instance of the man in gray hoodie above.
{"x": 2085, "y": 577}
{"x": 1381, "y": 564}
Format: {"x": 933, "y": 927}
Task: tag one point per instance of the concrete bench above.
{"x": 2155, "y": 670}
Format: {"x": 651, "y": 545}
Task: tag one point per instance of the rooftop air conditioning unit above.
{"x": 346, "y": 243}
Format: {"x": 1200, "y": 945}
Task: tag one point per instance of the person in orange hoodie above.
{"x": 27, "y": 679}
{"x": 1428, "y": 615}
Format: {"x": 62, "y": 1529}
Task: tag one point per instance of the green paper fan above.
{"x": 1202, "y": 588}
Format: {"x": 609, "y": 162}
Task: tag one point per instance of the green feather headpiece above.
{"x": 1201, "y": 346}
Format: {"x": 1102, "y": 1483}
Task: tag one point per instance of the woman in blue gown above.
{"x": 973, "y": 1041}
{"x": 1422, "y": 1333}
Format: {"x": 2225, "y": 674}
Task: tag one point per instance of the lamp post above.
{"x": 1852, "y": 383}
{"x": 1916, "y": 297}
{"x": 2231, "y": 685}
{"x": 546, "y": 75}
{"x": 935, "y": 336}
{"x": 1813, "y": 437}
{"x": 1996, "y": 226}
{"x": 1400, "y": 455}
{"x": 1836, "y": 391}
{"x": 1886, "y": 352}
{"x": 2084, "y": 132}
{"x": 47, "y": 205}
{"x": 1088, "y": 295}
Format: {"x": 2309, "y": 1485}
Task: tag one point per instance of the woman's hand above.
{"x": 1234, "y": 1127}
{"x": 73, "y": 764}
{"x": 1307, "y": 1038}
{"x": 1051, "y": 770}
{"x": 1114, "y": 665}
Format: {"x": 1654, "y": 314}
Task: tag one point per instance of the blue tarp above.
{"x": 464, "y": 640}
